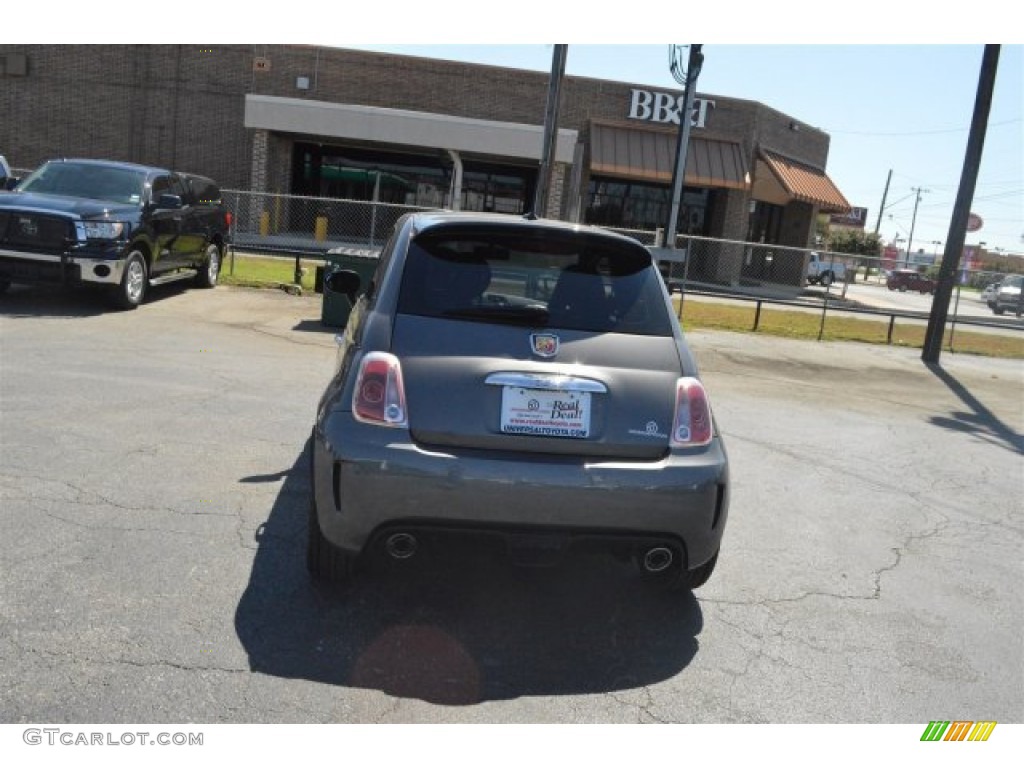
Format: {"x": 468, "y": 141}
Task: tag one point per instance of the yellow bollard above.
{"x": 321, "y": 228}
{"x": 265, "y": 223}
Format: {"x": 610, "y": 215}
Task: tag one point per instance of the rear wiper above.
{"x": 502, "y": 313}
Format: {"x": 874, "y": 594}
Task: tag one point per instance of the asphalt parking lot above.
{"x": 153, "y": 494}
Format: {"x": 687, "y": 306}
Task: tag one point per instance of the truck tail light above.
{"x": 691, "y": 426}
{"x": 379, "y": 396}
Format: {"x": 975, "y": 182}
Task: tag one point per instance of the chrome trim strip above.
{"x": 86, "y": 265}
{"x": 29, "y": 256}
{"x": 545, "y": 381}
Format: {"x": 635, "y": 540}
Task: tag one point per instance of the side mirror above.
{"x": 344, "y": 281}
{"x": 9, "y": 182}
{"x": 168, "y": 201}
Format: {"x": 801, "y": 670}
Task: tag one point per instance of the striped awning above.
{"x": 806, "y": 183}
{"x": 645, "y": 155}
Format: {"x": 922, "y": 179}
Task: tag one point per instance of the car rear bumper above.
{"x": 368, "y": 480}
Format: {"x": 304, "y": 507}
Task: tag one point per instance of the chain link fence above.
{"x": 270, "y": 223}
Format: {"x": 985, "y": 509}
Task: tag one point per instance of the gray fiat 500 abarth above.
{"x": 519, "y": 380}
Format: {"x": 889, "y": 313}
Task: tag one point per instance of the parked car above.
{"x": 909, "y": 279}
{"x": 522, "y": 381}
{"x": 988, "y": 294}
{"x": 1008, "y": 296}
{"x": 120, "y": 226}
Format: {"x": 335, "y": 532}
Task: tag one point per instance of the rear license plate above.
{"x": 545, "y": 413}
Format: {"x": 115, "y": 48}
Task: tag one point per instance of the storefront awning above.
{"x": 806, "y": 183}
{"x": 638, "y": 155}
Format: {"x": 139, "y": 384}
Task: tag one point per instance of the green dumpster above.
{"x": 336, "y": 305}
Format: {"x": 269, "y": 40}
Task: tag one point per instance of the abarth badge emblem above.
{"x": 544, "y": 344}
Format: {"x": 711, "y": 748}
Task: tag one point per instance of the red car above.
{"x": 903, "y": 279}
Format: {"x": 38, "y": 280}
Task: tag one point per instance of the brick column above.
{"x": 559, "y": 181}
{"x": 260, "y": 158}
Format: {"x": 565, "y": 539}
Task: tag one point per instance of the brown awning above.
{"x": 806, "y": 183}
{"x": 639, "y": 155}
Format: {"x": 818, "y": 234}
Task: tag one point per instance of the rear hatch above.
{"x": 554, "y": 342}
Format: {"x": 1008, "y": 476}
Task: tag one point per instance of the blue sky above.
{"x": 907, "y": 108}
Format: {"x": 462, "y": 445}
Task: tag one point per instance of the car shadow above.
{"x": 52, "y": 301}
{"x": 977, "y": 420}
{"x": 83, "y": 301}
{"x": 459, "y": 627}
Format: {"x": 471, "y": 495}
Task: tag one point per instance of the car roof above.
{"x": 428, "y": 220}
{"x": 111, "y": 164}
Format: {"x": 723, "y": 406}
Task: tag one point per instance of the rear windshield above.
{"x": 203, "y": 191}
{"x": 570, "y": 281}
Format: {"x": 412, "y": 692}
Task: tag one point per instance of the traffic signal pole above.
{"x": 961, "y": 209}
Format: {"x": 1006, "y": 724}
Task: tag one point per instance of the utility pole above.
{"x": 885, "y": 195}
{"x": 913, "y": 221}
{"x": 540, "y": 195}
{"x": 962, "y": 207}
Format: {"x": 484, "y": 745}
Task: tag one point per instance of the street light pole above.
{"x": 689, "y": 79}
{"x": 543, "y": 188}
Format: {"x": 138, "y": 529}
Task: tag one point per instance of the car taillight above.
{"x": 379, "y": 397}
{"x": 691, "y": 426}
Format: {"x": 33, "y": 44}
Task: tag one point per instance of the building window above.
{"x": 423, "y": 181}
{"x": 765, "y": 223}
{"x": 636, "y": 205}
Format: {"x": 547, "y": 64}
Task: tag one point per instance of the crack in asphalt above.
{"x": 876, "y": 594}
{"x": 80, "y": 659}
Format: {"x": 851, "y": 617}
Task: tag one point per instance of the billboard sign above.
{"x": 856, "y": 218}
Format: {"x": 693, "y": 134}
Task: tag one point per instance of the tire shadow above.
{"x": 457, "y": 626}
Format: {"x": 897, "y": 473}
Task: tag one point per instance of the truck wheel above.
{"x": 826, "y": 279}
{"x": 903, "y": 289}
{"x": 997, "y": 309}
{"x": 209, "y": 270}
{"x": 132, "y": 290}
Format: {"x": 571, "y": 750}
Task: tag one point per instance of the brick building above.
{"x": 370, "y": 126}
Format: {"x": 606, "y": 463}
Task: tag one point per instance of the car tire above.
{"x": 903, "y": 289}
{"x": 324, "y": 560}
{"x": 826, "y": 279}
{"x": 997, "y": 309}
{"x": 209, "y": 269}
{"x": 698, "y": 577}
{"x": 131, "y": 292}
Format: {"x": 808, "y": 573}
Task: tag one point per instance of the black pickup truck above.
{"x": 121, "y": 226}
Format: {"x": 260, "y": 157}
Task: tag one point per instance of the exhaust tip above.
{"x": 657, "y": 559}
{"x": 401, "y": 546}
